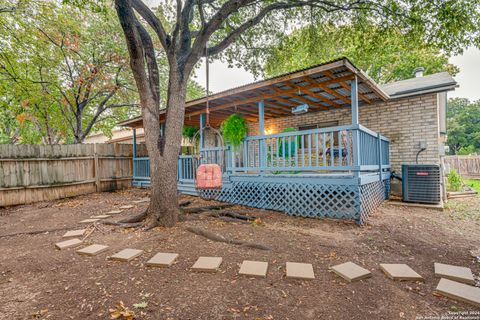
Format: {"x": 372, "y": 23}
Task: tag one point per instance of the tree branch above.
{"x": 147, "y": 14}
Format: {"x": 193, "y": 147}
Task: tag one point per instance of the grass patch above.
{"x": 474, "y": 183}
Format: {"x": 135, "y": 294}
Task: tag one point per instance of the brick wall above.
{"x": 405, "y": 121}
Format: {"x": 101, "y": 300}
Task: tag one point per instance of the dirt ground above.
{"x": 38, "y": 281}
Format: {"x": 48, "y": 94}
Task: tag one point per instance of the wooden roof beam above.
{"x": 346, "y": 86}
{"x": 301, "y": 98}
{"x": 287, "y": 109}
{"x": 328, "y": 90}
{"x": 315, "y": 95}
{"x": 268, "y": 96}
{"x": 318, "y": 96}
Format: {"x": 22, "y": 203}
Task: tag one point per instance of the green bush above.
{"x": 454, "y": 180}
{"x": 234, "y": 129}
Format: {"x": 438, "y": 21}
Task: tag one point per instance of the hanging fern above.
{"x": 234, "y": 129}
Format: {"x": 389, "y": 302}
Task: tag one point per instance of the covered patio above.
{"x": 338, "y": 172}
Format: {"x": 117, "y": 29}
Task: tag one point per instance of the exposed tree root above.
{"x": 229, "y": 219}
{"x": 34, "y": 232}
{"x": 184, "y": 203}
{"x": 219, "y": 238}
{"x": 206, "y": 208}
{"x": 124, "y": 225}
{"x": 136, "y": 218}
{"x": 236, "y": 215}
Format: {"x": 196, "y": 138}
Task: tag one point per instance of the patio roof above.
{"x": 322, "y": 87}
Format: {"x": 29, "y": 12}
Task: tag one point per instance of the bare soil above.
{"x": 38, "y": 281}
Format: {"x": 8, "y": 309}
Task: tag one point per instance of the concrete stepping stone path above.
{"x": 89, "y": 221}
{"x": 74, "y": 233}
{"x": 207, "y": 264}
{"x": 351, "y": 271}
{"x": 92, "y": 250}
{"x": 162, "y": 259}
{"x": 400, "y": 272}
{"x": 254, "y": 268}
{"x": 455, "y": 273}
{"x": 68, "y": 244}
{"x": 126, "y": 255}
{"x": 302, "y": 271}
{"x": 459, "y": 291}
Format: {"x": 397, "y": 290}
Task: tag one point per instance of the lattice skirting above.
{"x": 371, "y": 197}
{"x": 320, "y": 200}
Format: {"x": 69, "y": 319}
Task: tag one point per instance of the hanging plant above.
{"x": 234, "y": 129}
{"x": 189, "y": 132}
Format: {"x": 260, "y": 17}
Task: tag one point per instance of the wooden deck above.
{"x": 307, "y": 173}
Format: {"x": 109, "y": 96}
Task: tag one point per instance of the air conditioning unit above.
{"x": 421, "y": 183}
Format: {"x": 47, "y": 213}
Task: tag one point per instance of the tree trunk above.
{"x": 163, "y": 153}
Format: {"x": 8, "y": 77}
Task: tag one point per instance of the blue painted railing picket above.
{"x": 351, "y": 148}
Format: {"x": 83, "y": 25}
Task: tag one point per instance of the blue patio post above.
{"x": 134, "y": 153}
{"x": 356, "y": 132}
{"x": 261, "y": 132}
{"x": 380, "y": 159}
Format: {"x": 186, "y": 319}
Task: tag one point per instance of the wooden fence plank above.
{"x": 30, "y": 173}
{"x": 466, "y": 166}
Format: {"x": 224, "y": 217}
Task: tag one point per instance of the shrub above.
{"x": 234, "y": 129}
{"x": 454, "y": 180}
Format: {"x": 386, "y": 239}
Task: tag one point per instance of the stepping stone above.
{"x": 207, "y": 264}
{"x": 128, "y": 206}
{"x": 74, "y": 233}
{"x": 114, "y": 212}
{"x": 102, "y": 216}
{"x": 456, "y": 273}
{"x": 89, "y": 221}
{"x": 68, "y": 244}
{"x": 459, "y": 291}
{"x": 126, "y": 255}
{"x": 351, "y": 271}
{"x": 92, "y": 250}
{"x": 162, "y": 259}
{"x": 254, "y": 268}
{"x": 400, "y": 272}
{"x": 297, "y": 270}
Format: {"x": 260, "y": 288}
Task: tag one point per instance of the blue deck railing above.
{"x": 352, "y": 148}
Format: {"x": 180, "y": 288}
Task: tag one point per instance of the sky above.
{"x": 223, "y": 78}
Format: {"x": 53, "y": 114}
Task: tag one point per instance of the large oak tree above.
{"x": 239, "y": 29}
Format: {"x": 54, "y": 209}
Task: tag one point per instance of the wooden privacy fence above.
{"x": 466, "y": 166}
{"x": 30, "y": 173}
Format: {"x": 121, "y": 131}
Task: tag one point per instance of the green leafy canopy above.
{"x": 463, "y": 124}
{"x": 386, "y": 54}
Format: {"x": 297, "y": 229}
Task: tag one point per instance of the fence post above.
{"x": 96, "y": 168}
{"x": 380, "y": 160}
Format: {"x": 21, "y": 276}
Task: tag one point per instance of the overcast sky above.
{"x": 223, "y": 78}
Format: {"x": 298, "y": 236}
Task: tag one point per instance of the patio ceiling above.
{"x": 322, "y": 87}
